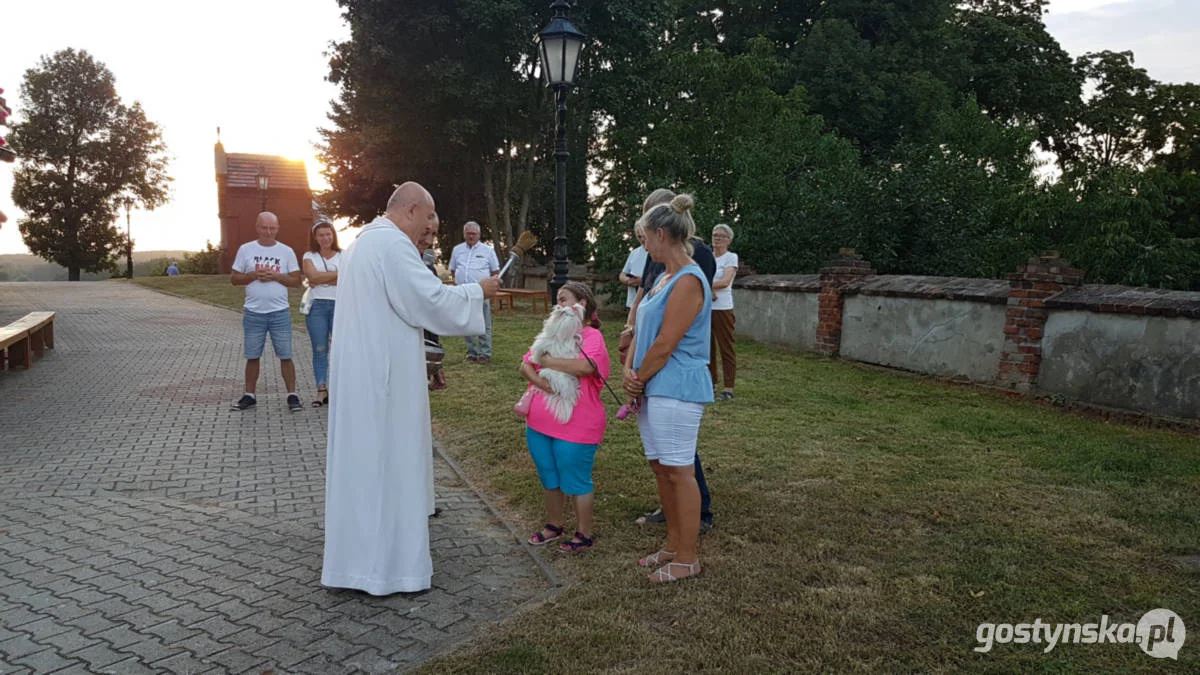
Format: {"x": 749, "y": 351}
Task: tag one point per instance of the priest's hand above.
{"x": 490, "y": 286}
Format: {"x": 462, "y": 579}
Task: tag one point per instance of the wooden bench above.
{"x": 26, "y": 338}
{"x": 502, "y": 302}
{"x": 534, "y": 295}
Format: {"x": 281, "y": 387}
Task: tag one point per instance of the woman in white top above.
{"x": 321, "y": 269}
{"x": 722, "y": 310}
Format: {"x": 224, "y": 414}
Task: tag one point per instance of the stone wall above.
{"x": 778, "y": 309}
{"x": 1124, "y": 348}
{"x": 1039, "y": 330}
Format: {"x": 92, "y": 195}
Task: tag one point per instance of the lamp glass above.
{"x": 560, "y": 55}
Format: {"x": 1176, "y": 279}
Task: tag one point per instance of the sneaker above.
{"x": 483, "y": 360}
{"x": 727, "y": 396}
{"x": 294, "y": 403}
{"x": 471, "y": 358}
{"x": 246, "y": 401}
{"x": 705, "y": 526}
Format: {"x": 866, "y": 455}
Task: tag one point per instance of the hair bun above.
{"x": 682, "y": 204}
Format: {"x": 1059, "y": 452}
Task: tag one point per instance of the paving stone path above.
{"x": 146, "y": 527}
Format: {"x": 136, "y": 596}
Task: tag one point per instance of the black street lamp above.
{"x": 264, "y": 182}
{"x": 561, "y": 43}
{"x": 128, "y": 240}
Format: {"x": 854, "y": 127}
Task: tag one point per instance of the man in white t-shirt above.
{"x": 631, "y": 274}
{"x": 470, "y": 262}
{"x": 267, "y": 269}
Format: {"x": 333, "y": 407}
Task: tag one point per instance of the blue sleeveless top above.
{"x": 685, "y": 376}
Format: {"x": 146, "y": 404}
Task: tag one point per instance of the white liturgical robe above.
{"x": 379, "y": 463}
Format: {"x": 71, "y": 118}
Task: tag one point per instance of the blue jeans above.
{"x": 320, "y": 328}
{"x": 255, "y": 327}
{"x": 481, "y": 345}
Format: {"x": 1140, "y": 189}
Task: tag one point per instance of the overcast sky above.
{"x": 256, "y": 68}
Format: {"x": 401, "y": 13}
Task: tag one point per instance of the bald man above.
{"x": 379, "y": 469}
{"x": 267, "y": 269}
{"x": 471, "y": 261}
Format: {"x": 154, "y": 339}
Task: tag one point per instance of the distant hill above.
{"x": 25, "y": 267}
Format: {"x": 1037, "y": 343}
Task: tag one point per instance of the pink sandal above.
{"x": 540, "y": 539}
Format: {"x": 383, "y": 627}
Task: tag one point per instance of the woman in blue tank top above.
{"x": 669, "y": 374}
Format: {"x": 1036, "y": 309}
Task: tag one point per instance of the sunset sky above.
{"x": 256, "y": 68}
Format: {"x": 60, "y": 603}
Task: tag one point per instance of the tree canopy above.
{"x": 935, "y": 136}
{"x": 83, "y": 153}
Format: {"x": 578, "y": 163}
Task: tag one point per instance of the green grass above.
{"x": 865, "y": 521}
{"x": 213, "y": 289}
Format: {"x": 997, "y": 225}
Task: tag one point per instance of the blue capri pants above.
{"x": 562, "y": 464}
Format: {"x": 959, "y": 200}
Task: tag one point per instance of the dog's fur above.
{"x": 561, "y": 337}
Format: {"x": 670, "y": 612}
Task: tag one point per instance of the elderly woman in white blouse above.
{"x": 722, "y": 310}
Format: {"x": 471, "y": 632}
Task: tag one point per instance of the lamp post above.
{"x": 128, "y": 240}
{"x": 560, "y": 43}
{"x": 264, "y": 182}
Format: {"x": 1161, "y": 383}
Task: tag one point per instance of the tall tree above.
{"x": 82, "y": 153}
{"x": 447, "y": 93}
{"x": 1111, "y": 127}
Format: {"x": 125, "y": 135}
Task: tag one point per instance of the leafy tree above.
{"x": 1123, "y": 226}
{"x": 82, "y": 152}
{"x": 1174, "y": 127}
{"x": 965, "y": 206}
{"x": 1111, "y": 126}
{"x": 1017, "y": 71}
{"x": 446, "y": 93}
{"x": 207, "y": 261}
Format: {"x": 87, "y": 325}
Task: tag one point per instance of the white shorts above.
{"x": 669, "y": 430}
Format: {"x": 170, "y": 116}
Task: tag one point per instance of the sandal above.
{"x": 540, "y": 539}
{"x": 578, "y": 543}
{"x": 657, "y": 558}
{"x": 322, "y": 400}
{"x": 663, "y": 574}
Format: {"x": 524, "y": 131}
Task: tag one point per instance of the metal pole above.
{"x": 128, "y": 247}
{"x": 560, "y": 180}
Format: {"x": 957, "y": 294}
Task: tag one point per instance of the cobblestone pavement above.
{"x": 146, "y": 527}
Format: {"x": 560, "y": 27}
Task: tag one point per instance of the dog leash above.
{"x": 602, "y": 378}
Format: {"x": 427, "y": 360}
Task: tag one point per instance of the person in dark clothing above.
{"x": 703, "y": 256}
{"x": 433, "y": 343}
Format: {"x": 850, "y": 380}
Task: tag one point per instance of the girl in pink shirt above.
{"x": 564, "y": 453}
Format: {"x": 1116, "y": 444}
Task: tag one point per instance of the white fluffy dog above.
{"x": 562, "y": 338}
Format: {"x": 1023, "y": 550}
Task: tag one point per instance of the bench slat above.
{"x": 10, "y": 336}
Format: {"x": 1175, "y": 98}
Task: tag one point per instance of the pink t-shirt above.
{"x": 589, "y": 417}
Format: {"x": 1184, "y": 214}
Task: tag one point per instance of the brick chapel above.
{"x": 240, "y": 199}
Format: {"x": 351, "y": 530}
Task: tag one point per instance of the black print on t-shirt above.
{"x": 268, "y": 262}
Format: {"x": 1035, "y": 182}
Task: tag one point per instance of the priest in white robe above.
{"x": 379, "y": 467}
